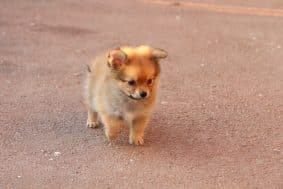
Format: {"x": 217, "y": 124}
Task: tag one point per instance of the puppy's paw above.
{"x": 92, "y": 124}
{"x": 138, "y": 140}
{"x": 111, "y": 136}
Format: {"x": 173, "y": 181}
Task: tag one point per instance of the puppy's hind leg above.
{"x": 92, "y": 120}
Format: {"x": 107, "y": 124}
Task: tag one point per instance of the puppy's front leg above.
{"x": 137, "y": 130}
{"x": 112, "y": 126}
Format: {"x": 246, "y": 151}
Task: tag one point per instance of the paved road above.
{"x": 218, "y": 122}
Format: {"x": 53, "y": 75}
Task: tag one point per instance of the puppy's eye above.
{"x": 149, "y": 81}
{"x": 132, "y": 82}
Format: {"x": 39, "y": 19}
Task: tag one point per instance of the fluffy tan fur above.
{"x": 121, "y": 90}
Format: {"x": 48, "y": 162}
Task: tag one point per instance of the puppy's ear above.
{"x": 158, "y": 54}
{"x": 117, "y": 58}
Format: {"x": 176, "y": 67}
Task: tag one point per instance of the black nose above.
{"x": 143, "y": 94}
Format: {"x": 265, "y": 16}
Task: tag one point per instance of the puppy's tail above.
{"x": 88, "y": 68}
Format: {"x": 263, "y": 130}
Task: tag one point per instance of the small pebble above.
{"x": 78, "y": 74}
{"x": 56, "y": 154}
{"x": 178, "y": 17}
{"x": 276, "y": 150}
{"x": 164, "y": 102}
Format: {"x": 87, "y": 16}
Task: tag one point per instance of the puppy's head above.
{"x": 136, "y": 70}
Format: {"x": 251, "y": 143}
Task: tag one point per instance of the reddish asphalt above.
{"x": 218, "y": 122}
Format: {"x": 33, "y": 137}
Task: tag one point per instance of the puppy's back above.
{"x": 96, "y": 72}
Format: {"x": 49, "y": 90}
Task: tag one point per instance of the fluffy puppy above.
{"x": 121, "y": 90}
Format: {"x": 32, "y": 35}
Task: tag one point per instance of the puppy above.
{"x": 121, "y": 90}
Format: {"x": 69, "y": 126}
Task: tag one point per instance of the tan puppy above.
{"x": 121, "y": 90}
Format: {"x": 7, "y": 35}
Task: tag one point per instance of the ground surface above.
{"x": 219, "y": 119}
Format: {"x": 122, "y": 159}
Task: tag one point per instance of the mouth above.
{"x": 130, "y": 96}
